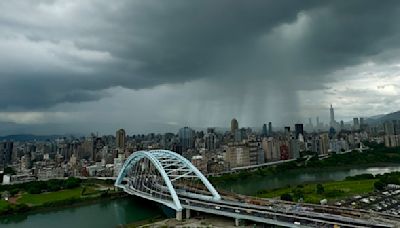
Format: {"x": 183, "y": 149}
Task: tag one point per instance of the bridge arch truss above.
{"x": 165, "y": 177}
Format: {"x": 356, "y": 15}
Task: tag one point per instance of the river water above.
{"x": 111, "y": 213}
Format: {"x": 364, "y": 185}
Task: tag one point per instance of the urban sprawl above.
{"x": 212, "y": 152}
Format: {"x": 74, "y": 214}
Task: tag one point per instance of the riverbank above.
{"x": 376, "y": 156}
{"x": 331, "y": 191}
{"x": 24, "y": 201}
{"x": 334, "y": 191}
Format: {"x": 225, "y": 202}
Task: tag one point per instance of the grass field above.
{"x": 38, "y": 199}
{"x": 333, "y": 191}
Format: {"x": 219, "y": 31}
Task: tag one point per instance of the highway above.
{"x": 278, "y": 215}
{"x": 274, "y": 212}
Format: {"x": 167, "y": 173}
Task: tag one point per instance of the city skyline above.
{"x": 314, "y": 122}
{"x": 75, "y": 67}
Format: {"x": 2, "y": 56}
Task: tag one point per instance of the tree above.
{"x": 320, "y": 189}
{"x": 298, "y": 193}
{"x": 286, "y": 197}
{"x": 72, "y": 182}
{"x": 379, "y": 185}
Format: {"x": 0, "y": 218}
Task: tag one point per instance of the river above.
{"x": 111, "y": 213}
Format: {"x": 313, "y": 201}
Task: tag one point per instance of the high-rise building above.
{"x": 287, "y": 131}
{"x": 294, "y": 149}
{"x": 362, "y": 121}
{"x": 264, "y": 132}
{"x": 319, "y": 125}
{"x": 298, "y": 130}
{"x": 324, "y": 143}
{"x": 389, "y": 128}
{"x": 396, "y": 127}
{"x": 332, "y": 116}
{"x": 356, "y": 124}
{"x": 210, "y": 140}
{"x": 234, "y": 125}
{"x": 270, "y": 128}
{"x": 284, "y": 149}
{"x": 120, "y": 139}
{"x": 6, "y": 153}
{"x": 186, "y": 138}
{"x": 363, "y": 125}
{"x": 237, "y": 156}
{"x": 254, "y": 150}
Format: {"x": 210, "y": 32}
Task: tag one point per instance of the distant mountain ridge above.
{"x": 383, "y": 117}
{"x": 391, "y": 116}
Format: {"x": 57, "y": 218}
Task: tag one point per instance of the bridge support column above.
{"x": 237, "y": 222}
{"x": 179, "y": 215}
{"x": 187, "y": 213}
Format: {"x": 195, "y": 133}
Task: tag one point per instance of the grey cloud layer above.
{"x": 71, "y": 51}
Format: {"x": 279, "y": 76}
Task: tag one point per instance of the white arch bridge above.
{"x": 161, "y": 174}
{"x": 168, "y": 178}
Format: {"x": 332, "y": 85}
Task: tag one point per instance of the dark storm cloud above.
{"x": 70, "y": 51}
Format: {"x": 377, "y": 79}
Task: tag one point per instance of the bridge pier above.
{"x": 237, "y": 222}
{"x": 187, "y": 213}
{"x": 179, "y": 215}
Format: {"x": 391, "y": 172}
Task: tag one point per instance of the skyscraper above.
{"x": 318, "y": 125}
{"x": 270, "y": 128}
{"x": 332, "y": 116}
{"x": 287, "y": 131}
{"x": 299, "y": 130}
{"x": 324, "y": 143}
{"x": 6, "y": 149}
{"x": 389, "y": 128}
{"x": 186, "y": 138}
{"x": 120, "y": 139}
{"x": 234, "y": 125}
{"x": 264, "y": 130}
{"x": 356, "y": 124}
{"x": 210, "y": 139}
{"x": 362, "y": 123}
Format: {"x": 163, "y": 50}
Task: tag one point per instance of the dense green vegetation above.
{"x": 3, "y": 204}
{"x": 387, "y": 178}
{"x": 36, "y": 187}
{"x": 335, "y": 190}
{"x": 313, "y": 193}
{"x": 377, "y": 154}
{"x": 52, "y": 193}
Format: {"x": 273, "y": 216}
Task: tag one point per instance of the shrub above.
{"x": 286, "y": 197}
{"x": 320, "y": 189}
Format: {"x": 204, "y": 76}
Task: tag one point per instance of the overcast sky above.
{"x": 73, "y": 66}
